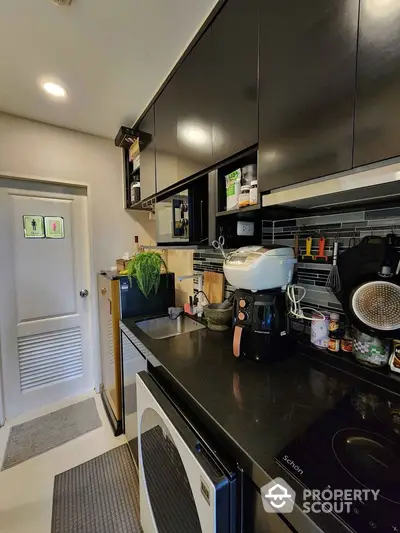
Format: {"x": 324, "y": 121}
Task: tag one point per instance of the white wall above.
{"x": 33, "y": 150}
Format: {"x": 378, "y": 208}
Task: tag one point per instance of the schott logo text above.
{"x": 291, "y": 463}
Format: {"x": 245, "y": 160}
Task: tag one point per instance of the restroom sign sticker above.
{"x": 33, "y": 227}
{"x": 54, "y": 227}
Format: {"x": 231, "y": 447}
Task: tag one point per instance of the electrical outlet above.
{"x": 245, "y": 229}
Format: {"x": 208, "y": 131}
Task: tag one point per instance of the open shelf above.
{"x": 243, "y": 159}
{"x": 239, "y": 210}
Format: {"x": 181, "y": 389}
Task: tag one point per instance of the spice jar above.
{"x": 334, "y": 345}
{"x": 335, "y": 333}
{"x": 253, "y": 193}
{"x": 334, "y": 325}
{"x": 244, "y": 196}
{"x": 346, "y": 344}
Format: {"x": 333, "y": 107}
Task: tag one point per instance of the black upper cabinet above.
{"x": 184, "y": 118}
{"x": 234, "y": 79}
{"x": 148, "y": 157}
{"x": 307, "y": 89}
{"x": 209, "y": 109}
{"x": 377, "y": 125}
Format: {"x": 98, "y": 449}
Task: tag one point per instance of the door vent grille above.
{"x": 48, "y": 358}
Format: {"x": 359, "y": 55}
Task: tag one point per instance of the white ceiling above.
{"x": 111, "y": 55}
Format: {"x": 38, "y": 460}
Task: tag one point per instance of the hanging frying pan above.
{"x": 373, "y": 304}
{"x": 365, "y": 259}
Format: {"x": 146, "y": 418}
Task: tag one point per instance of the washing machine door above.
{"x": 181, "y": 488}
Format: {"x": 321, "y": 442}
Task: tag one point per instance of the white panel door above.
{"x": 44, "y": 321}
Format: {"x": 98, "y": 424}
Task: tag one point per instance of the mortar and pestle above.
{"x": 219, "y": 316}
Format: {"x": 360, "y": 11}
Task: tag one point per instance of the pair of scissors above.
{"x": 219, "y": 245}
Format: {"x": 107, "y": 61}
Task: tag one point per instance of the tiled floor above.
{"x": 26, "y": 490}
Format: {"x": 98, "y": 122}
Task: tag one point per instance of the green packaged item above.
{"x": 233, "y": 182}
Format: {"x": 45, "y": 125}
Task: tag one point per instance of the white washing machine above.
{"x": 184, "y": 486}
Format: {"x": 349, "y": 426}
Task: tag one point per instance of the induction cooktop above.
{"x": 356, "y": 445}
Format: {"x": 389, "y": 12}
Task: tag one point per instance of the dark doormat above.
{"x": 99, "y": 496}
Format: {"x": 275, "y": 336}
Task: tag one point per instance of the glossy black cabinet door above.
{"x": 148, "y": 157}
{"x": 235, "y": 78}
{"x": 377, "y": 125}
{"x": 307, "y": 88}
{"x": 184, "y": 118}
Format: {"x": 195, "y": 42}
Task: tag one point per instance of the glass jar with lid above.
{"x": 244, "y": 196}
{"x": 253, "y": 193}
{"x": 135, "y": 192}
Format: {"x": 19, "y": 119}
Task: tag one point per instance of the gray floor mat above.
{"x": 41, "y": 434}
{"x": 99, "y": 496}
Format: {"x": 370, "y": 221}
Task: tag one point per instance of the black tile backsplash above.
{"x": 349, "y": 228}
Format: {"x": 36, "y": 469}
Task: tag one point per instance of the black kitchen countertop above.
{"x": 260, "y": 408}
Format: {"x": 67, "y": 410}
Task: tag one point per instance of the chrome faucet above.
{"x": 200, "y": 291}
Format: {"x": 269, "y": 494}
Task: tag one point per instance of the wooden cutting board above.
{"x": 214, "y": 285}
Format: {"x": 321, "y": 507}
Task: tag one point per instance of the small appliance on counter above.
{"x": 261, "y": 276}
{"x": 118, "y": 299}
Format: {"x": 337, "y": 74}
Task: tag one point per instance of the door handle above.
{"x": 83, "y": 293}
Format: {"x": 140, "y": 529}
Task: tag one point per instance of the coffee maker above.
{"x": 260, "y": 323}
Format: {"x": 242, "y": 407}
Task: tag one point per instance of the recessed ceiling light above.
{"x": 54, "y": 89}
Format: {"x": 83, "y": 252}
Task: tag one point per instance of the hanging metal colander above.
{"x": 377, "y": 304}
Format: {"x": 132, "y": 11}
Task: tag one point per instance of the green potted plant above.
{"x": 145, "y": 267}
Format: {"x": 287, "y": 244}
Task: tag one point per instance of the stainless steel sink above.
{"x": 164, "y": 327}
